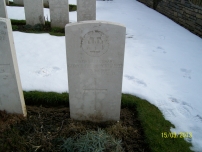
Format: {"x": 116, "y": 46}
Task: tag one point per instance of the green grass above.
{"x": 154, "y": 124}
{"x": 72, "y": 7}
{"x": 46, "y": 98}
{"x": 18, "y": 22}
{"x": 152, "y": 120}
{"x": 20, "y": 25}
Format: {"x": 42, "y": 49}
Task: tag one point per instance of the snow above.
{"x": 162, "y": 62}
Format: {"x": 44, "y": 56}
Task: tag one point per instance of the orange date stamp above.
{"x": 176, "y": 135}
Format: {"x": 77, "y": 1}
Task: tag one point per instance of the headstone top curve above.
{"x": 94, "y": 22}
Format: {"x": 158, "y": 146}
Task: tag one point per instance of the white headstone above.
{"x": 95, "y": 54}
{"x": 3, "y": 11}
{"x": 34, "y": 12}
{"x": 59, "y": 13}
{"x": 19, "y": 2}
{"x": 11, "y": 95}
{"x": 86, "y": 10}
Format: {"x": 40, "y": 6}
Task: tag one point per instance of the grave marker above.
{"x": 86, "y": 10}
{"x": 95, "y": 53}
{"x": 3, "y": 11}
{"x": 34, "y": 12}
{"x": 11, "y": 95}
{"x": 59, "y": 13}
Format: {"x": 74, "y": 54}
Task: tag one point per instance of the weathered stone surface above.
{"x": 86, "y": 10}
{"x": 3, "y": 11}
{"x": 95, "y": 53}
{"x": 11, "y": 95}
{"x": 59, "y": 13}
{"x": 34, "y": 12}
{"x": 19, "y": 2}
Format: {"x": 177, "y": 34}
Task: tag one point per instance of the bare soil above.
{"x": 45, "y": 127}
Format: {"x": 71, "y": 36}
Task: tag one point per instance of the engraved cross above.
{"x": 99, "y": 94}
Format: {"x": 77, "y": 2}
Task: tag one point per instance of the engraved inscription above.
{"x": 2, "y": 35}
{"x": 2, "y": 24}
{"x": 95, "y": 43}
{"x": 4, "y": 72}
{"x": 3, "y": 98}
{"x": 2, "y": 38}
{"x": 106, "y": 67}
{"x": 94, "y": 60}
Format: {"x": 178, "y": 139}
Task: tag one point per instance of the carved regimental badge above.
{"x": 95, "y": 43}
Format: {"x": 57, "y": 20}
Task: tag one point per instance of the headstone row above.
{"x": 59, "y": 11}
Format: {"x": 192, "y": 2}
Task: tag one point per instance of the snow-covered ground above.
{"x": 162, "y": 64}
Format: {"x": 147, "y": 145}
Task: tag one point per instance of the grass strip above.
{"x": 20, "y": 25}
{"x": 46, "y": 98}
{"x": 151, "y": 118}
{"x": 154, "y": 124}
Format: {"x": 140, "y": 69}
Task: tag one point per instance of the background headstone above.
{"x": 19, "y": 2}
{"x": 95, "y": 54}
{"x": 59, "y": 13}
{"x": 11, "y": 95}
{"x": 7, "y": 2}
{"x": 34, "y": 12}
{"x": 86, "y": 10}
{"x": 3, "y": 11}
